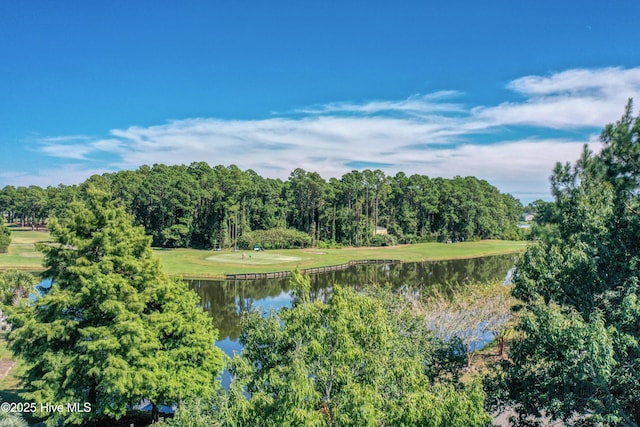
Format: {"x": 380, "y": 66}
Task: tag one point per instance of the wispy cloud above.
{"x": 508, "y": 144}
{"x": 78, "y": 147}
{"x": 418, "y": 105}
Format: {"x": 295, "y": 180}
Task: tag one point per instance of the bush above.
{"x": 383, "y": 240}
{"x": 275, "y": 238}
{"x": 329, "y": 245}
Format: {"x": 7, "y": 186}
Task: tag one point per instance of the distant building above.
{"x": 529, "y": 217}
{"x": 381, "y": 230}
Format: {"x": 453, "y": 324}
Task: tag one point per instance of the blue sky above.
{"x": 500, "y": 90}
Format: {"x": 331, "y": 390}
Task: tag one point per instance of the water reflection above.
{"x": 227, "y": 300}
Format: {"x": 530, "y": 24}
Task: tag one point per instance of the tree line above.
{"x": 207, "y": 207}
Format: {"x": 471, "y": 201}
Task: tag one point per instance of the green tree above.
{"x": 5, "y": 237}
{"x": 577, "y": 356}
{"x": 15, "y": 286}
{"x": 362, "y": 359}
{"x": 58, "y": 198}
{"x": 113, "y": 329}
{"x": 277, "y": 238}
{"x": 8, "y": 201}
{"x": 305, "y": 191}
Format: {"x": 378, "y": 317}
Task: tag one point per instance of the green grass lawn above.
{"x": 194, "y": 263}
{"x": 200, "y": 263}
{"x": 22, "y": 253}
{"x": 9, "y": 385}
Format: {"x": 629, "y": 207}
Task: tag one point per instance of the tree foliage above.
{"x": 113, "y": 329}
{"x": 5, "y": 237}
{"x": 578, "y": 353}
{"x": 362, "y": 359}
{"x": 15, "y": 286}
{"x": 277, "y": 238}
{"x": 213, "y": 207}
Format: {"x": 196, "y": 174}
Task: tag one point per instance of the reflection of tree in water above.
{"x": 456, "y": 272}
{"x": 227, "y": 300}
{"x": 420, "y": 275}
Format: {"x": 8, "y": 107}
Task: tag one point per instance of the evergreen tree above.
{"x": 114, "y": 329}
{"x": 578, "y": 354}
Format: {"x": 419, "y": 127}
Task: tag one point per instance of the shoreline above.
{"x": 286, "y": 273}
{"x": 326, "y": 268}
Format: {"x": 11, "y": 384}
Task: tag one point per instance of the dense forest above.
{"x": 218, "y": 207}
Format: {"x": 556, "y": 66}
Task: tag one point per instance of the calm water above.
{"x": 227, "y": 300}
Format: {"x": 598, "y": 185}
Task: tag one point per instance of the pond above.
{"x": 226, "y": 301}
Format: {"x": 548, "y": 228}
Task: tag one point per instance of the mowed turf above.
{"x": 200, "y": 263}
{"x": 253, "y": 258}
{"x": 195, "y": 263}
{"x": 22, "y": 251}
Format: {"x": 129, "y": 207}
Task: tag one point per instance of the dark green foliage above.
{"x": 277, "y": 238}
{"x": 32, "y": 205}
{"x": 5, "y": 237}
{"x": 578, "y": 353}
{"x": 113, "y": 329}
{"x": 15, "y": 286}
{"x": 383, "y": 240}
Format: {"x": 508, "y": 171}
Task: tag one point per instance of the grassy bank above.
{"x": 215, "y": 264}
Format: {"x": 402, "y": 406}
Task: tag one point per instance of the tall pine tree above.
{"x": 114, "y": 329}
{"x": 577, "y": 354}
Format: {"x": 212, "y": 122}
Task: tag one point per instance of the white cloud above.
{"x": 605, "y": 81}
{"x": 68, "y": 151}
{"x": 67, "y": 138}
{"x": 427, "y": 134}
{"x": 570, "y": 99}
{"x": 416, "y": 105}
{"x": 559, "y": 112}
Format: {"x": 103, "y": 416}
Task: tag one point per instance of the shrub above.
{"x": 275, "y": 238}
{"x": 383, "y": 240}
